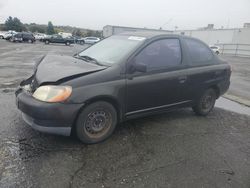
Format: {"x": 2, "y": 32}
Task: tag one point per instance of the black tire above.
{"x": 82, "y": 42}
{"x": 217, "y": 52}
{"x": 30, "y": 41}
{"x": 96, "y": 122}
{"x": 205, "y": 103}
{"x": 1, "y": 37}
{"x": 46, "y": 42}
{"x": 67, "y": 43}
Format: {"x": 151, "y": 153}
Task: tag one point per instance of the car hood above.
{"x": 59, "y": 68}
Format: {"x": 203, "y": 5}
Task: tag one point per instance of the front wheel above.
{"x": 46, "y": 42}
{"x": 205, "y": 103}
{"x": 96, "y": 122}
{"x": 67, "y": 43}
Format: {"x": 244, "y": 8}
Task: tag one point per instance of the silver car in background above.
{"x": 216, "y": 49}
{"x": 91, "y": 40}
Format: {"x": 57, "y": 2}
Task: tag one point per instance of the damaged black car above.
{"x": 122, "y": 77}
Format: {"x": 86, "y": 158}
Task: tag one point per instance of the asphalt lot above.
{"x": 176, "y": 149}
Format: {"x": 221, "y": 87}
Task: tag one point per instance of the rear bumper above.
{"x": 224, "y": 86}
{"x": 55, "y": 118}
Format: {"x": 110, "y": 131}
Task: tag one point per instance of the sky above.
{"x": 94, "y": 14}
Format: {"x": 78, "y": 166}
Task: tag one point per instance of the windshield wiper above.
{"x": 89, "y": 59}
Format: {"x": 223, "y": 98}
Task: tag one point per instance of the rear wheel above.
{"x": 30, "y": 41}
{"x": 205, "y": 103}
{"x": 217, "y": 52}
{"x": 46, "y": 42}
{"x": 96, "y": 122}
{"x": 67, "y": 43}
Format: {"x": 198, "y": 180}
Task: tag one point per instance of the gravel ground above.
{"x": 175, "y": 149}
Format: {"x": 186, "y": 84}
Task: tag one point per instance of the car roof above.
{"x": 91, "y": 37}
{"x": 153, "y": 34}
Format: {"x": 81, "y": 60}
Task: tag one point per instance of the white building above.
{"x": 109, "y": 30}
{"x": 234, "y": 41}
{"x": 231, "y": 41}
{"x": 218, "y": 36}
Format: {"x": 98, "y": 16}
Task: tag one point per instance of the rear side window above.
{"x": 160, "y": 54}
{"x": 200, "y": 54}
{"x": 18, "y": 35}
{"x": 27, "y": 35}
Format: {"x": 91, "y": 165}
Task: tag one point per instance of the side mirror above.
{"x": 139, "y": 67}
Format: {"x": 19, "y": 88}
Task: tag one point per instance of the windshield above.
{"x": 113, "y": 49}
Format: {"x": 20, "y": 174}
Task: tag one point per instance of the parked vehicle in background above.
{"x": 65, "y": 35}
{"x": 40, "y": 36}
{"x": 9, "y": 34}
{"x": 59, "y": 39}
{"x": 216, "y": 49}
{"x": 2, "y": 33}
{"x": 122, "y": 77}
{"x": 23, "y": 37}
{"x": 91, "y": 40}
{"x": 80, "y": 40}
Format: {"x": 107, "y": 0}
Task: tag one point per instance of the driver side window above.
{"x": 160, "y": 54}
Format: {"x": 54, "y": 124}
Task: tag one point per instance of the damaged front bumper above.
{"x": 55, "y": 118}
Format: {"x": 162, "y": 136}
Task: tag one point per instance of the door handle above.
{"x": 182, "y": 79}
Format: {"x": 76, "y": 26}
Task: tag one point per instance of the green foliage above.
{"x": 1, "y": 27}
{"x": 58, "y": 30}
{"x": 90, "y": 33}
{"x": 93, "y": 33}
{"x": 77, "y": 32}
{"x": 14, "y": 24}
{"x": 34, "y": 28}
{"x": 50, "y": 28}
{"x": 98, "y": 34}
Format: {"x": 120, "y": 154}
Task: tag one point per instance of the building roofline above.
{"x": 150, "y": 29}
{"x": 210, "y": 29}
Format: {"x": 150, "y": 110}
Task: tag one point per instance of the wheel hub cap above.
{"x": 97, "y": 122}
{"x": 207, "y": 102}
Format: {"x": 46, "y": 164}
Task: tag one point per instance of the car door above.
{"x": 56, "y": 39}
{"x": 87, "y": 40}
{"x": 26, "y": 37}
{"x": 164, "y": 82}
{"x": 18, "y": 37}
{"x": 202, "y": 75}
{"x": 53, "y": 38}
{"x": 60, "y": 39}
